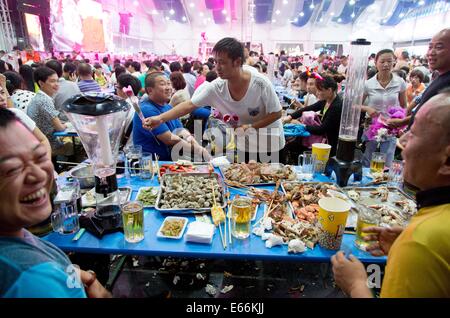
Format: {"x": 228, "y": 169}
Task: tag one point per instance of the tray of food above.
{"x": 88, "y": 199}
{"x": 303, "y": 198}
{"x": 172, "y": 227}
{"x": 189, "y": 193}
{"x": 254, "y": 173}
{"x": 396, "y": 206}
{"x": 148, "y": 196}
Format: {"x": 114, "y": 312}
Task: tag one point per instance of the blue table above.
{"x": 251, "y": 248}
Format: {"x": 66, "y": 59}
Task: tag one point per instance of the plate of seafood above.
{"x": 189, "y": 193}
{"x": 303, "y": 198}
{"x": 254, "y": 173}
{"x": 396, "y": 207}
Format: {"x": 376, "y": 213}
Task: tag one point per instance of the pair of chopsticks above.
{"x": 213, "y": 214}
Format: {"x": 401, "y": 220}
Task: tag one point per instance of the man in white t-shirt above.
{"x": 247, "y": 94}
{"x": 288, "y": 75}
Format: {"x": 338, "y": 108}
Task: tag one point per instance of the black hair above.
{"x": 125, "y": 80}
{"x": 128, "y": 63}
{"x": 177, "y": 80}
{"x": 210, "y": 65}
{"x": 417, "y": 73}
{"x": 97, "y": 66}
{"x": 187, "y": 67}
{"x": 148, "y": 63}
{"x": 84, "y": 69}
{"x": 405, "y": 55}
{"x": 212, "y": 60}
{"x": 56, "y": 66}
{"x": 211, "y": 76}
{"x": 136, "y": 66}
{"x": 119, "y": 70}
{"x": 385, "y": 51}
{"x": 105, "y": 59}
{"x": 326, "y": 83}
{"x": 164, "y": 61}
{"x": 151, "y": 78}
{"x": 372, "y": 56}
{"x": 303, "y": 76}
{"x": 175, "y": 67}
{"x": 13, "y": 81}
{"x": 87, "y": 61}
{"x": 400, "y": 73}
{"x": 27, "y": 73}
{"x": 405, "y": 69}
{"x": 7, "y": 117}
{"x": 232, "y": 47}
{"x": 116, "y": 61}
{"x": 371, "y": 72}
{"x": 42, "y": 74}
{"x": 3, "y": 68}
{"x": 69, "y": 68}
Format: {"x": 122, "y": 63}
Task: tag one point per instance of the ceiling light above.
{"x": 224, "y": 11}
{"x": 302, "y": 14}
{"x": 167, "y": 18}
{"x": 277, "y": 12}
{"x": 192, "y": 4}
{"x": 184, "y": 19}
{"x": 321, "y": 19}
{"x": 154, "y": 12}
{"x": 421, "y": 2}
{"x": 353, "y": 15}
{"x": 136, "y": 3}
{"x": 228, "y": 19}
{"x": 296, "y": 20}
{"x": 351, "y": 2}
{"x": 285, "y": 1}
{"x": 172, "y": 11}
{"x": 312, "y": 6}
{"x": 201, "y": 14}
{"x": 273, "y": 21}
{"x": 339, "y": 20}
{"x": 401, "y": 15}
{"x": 332, "y": 14}
{"x": 209, "y": 19}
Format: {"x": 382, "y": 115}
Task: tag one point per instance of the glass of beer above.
{"x": 134, "y": 156}
{"x": 377, "y": 162}
{"x": 133, "y": 221}
{"x": 367, "y": 217}
{"x": 241, "y": 216}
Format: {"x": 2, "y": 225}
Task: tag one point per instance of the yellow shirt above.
{"x": 418, "y": 262}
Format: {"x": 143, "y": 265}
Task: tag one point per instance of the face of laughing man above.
{"x": 26, "y": 176}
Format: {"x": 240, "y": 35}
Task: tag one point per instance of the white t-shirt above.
{"x": 259, "y": 101}
{"x": 24, "y": 118}
{"x": 342, "y": 69}
{"x": 287, "y": 77}
{"x": 381, "y": 98}
{"x": 310, "y": 99}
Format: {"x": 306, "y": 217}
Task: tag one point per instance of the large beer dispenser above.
{"x": 99, "y": 120}
{"x": 348, "y": 160}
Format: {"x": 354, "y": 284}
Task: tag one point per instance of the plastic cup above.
{"x": 65, "y": 220}
{"x": 333, "y": 213}
{"x": 322, "y": 153}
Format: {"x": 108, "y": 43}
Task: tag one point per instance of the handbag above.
{"x": 311, "y": 118}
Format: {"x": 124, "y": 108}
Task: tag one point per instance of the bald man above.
{"x": 418, "y": 256}
{"x": 439, "y": 60}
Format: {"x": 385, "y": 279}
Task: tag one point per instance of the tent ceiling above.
{"x": 299, "y": 13}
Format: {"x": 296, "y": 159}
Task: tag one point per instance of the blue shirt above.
{"x": 33, "y": 268}
{"x": 89, "y": 86}
{"x": 146, "y": 138}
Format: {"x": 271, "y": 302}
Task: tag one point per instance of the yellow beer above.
{"x": 366, "y": 218}
{"x": 133, "y": 221}
{"x": 377, "y": 163}
{"x": 241, "y": 212}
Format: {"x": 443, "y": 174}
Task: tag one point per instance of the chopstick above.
{"x": 224, "y": 244}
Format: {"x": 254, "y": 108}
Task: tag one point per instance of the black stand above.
{"x": 99, "y": 225}
{"x": 343, "y": 170}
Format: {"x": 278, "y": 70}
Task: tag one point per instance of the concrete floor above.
{"x": 187, "y": 278}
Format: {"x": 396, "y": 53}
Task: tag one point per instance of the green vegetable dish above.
{"x": 148, "y": 196}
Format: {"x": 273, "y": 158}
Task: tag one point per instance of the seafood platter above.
{"x": 254, "y": 173}
{"x": 395, "y": 206}
{"x": 189, "y": 193}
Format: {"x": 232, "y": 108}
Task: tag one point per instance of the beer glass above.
{"x": 133, "y": 221}
{"x": 241, "y": 216}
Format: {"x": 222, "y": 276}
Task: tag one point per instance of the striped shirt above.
{"x": 89, "y": 86}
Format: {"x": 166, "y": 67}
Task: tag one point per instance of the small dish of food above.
{"x": 173, "y": 227}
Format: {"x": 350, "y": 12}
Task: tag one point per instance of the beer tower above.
{"x": 348, "y": 160}
{"x": 99, "y": 121}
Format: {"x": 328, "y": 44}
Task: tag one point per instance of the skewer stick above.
{"x": 224, "y": 244}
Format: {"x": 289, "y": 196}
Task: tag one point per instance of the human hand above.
{"x": 152, "y": 122}
{"x": 394, "y": 122}
{"x": 72, "y": 77}
{"x": 92, "y": 286}
{"x": 287, "y": 119}
{"x": 350, "y": 275}
{"x": 382, "y": 239}
{"x": 3, "y": 81}
{"x": 371, "y": 112}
